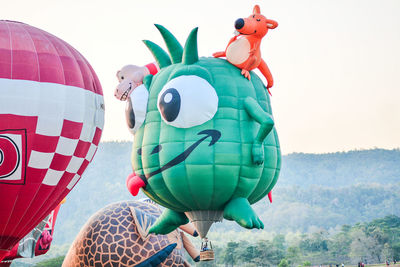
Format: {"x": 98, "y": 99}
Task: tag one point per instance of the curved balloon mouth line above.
{"x": 215, "y": 136}
{"x": 255, "y": 31}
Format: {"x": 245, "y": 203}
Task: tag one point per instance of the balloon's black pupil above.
{"x": 170, "y": 104}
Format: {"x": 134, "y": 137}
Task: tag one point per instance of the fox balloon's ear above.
{"x": 256, "y": 9}
{"x": 271, "y": 24}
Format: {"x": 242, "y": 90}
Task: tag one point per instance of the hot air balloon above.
{"x": 51, "y": 120}
{"x": 117, "y": 235}
{"x": 207, "y": 147}
{"x": 36, "y": 242}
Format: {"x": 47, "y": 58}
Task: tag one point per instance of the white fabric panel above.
{"x": 74, "y": 164}
{"x": 87, "y": 132}
{"x": 66, "y": 146}
{"x": 52, "y": 177}
{"x": 40, "y": 160}
{"x": 73, "y": 181}
{"x": 48, "y": 125}
{"x": 51, "y": 100}
{"x": 90, "y": 153}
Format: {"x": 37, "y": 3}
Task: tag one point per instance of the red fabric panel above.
{"x": 96, "y": 82}
{"x": 97, "y": 136}
{"x": 24, "y": 64}
{"x": 29, "y": 219}
{"x": 35, "y": 175}
{"x": 71, "y": 129}
{"x": 44, "y": 143}
{"x": 72, "y": 73}
{"x": 5, "y": 51}
{"x": 60, "y": 162}
{"x": 84, "y": 69}
{"x": 44, "y": 206}
{"x": 25, "y": 200}
{"x": 28, "y": 53}
{"x": 11, "y": 191}
{"x": 83, "y": 167}
{"x": 81, "y": 149}
{"x": 49, "y": 63}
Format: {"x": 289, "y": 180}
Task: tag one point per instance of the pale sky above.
{"x": 336, "y": 64}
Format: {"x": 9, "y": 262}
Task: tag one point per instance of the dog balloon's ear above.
{"x": 256, "y": 9}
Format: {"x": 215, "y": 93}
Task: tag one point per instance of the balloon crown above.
{"x": 177, "y": 54}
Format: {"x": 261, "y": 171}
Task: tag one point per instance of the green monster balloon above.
{"x": 206, "y": 148}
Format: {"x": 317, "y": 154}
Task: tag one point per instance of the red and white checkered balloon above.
{"x": 51, "y": 120}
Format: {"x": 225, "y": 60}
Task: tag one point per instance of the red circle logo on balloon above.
{"x": 10, "y": 156}
{"x": 51, "y": 120}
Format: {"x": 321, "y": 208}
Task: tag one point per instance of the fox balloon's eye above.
{"x": 258, "y": 19}
{"x": 187, "y": 101}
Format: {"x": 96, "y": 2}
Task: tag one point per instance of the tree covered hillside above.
{"x": 370, "y": 242}
{"x": 313, "y": 191}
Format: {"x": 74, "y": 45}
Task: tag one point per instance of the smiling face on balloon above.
{"x": 195, "y": 149}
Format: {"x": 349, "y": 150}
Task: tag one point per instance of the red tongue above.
{"x": 270, "y": 196}
{"x": 134, "y": 183}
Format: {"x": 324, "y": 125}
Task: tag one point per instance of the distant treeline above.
{"x": 373, "y": 242}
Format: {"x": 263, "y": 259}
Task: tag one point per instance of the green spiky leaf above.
{"x": 190, "y": 53}
{"x": 174, "y": 47}
{"x": 159, "y": 54}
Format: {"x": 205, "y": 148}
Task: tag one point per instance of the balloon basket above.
{"x": 206, "y": 252}
{"x": 207, "y": 255}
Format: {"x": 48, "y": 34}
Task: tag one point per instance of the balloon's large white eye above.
{"x": 187, "y": 101}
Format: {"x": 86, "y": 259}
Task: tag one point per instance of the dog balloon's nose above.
{"x": 239, "y": 23}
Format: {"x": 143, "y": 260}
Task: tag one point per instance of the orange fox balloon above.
{"x": 243, "y": 50}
